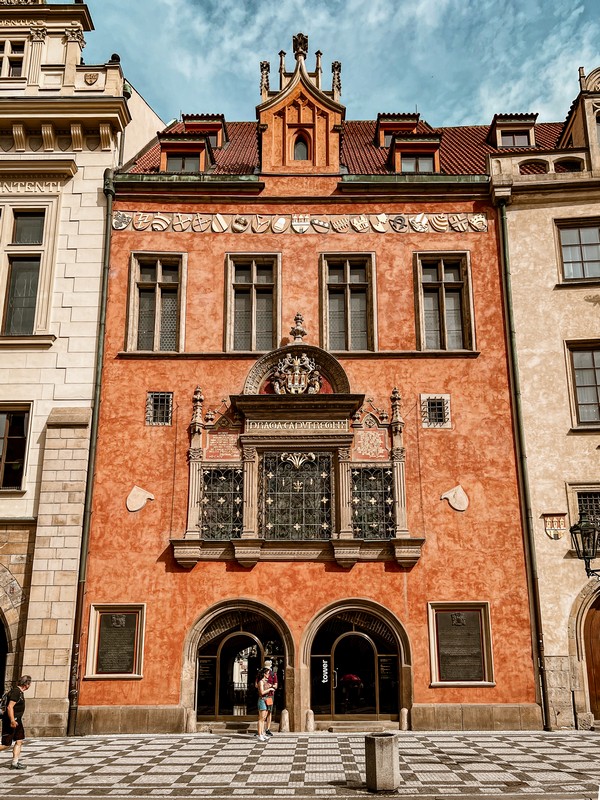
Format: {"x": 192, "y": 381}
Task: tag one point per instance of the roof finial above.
{"x": 298, "y": 331}
{"x": 300, "y": 45}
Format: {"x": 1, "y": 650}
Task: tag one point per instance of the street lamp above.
{"x": 585, "y": 536}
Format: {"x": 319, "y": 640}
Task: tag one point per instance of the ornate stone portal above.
{"x": 303, "y": 470}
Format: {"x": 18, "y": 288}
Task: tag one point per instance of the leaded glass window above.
{"x": 296, "y": 496}
{"x": 444, "y": 287}
{"x": 372, "y": 499}
{"x": 253, "y": 307}
{"x": 589, "y": 503}
{"x": 349, "y": 321}
{"x": 222, "y": 502}
{"x": 158, "y": 286}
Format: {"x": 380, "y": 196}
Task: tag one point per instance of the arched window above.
{"x": 533, "y": 167}
{"x": 568, "y": 165}
{"x": 300, "y": 148}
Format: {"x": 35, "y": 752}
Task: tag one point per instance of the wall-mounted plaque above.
{"x": 117, "y": 643}
{"x": 460, "y": 645}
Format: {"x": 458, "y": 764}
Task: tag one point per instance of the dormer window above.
{"x": 388, "y": 138}
{"x": 417, "y": 163}
{"x": 12, "y": 55}
{"x": 300, "y": 148}
{"x": 210, "y": 126}
{"x": 183, "y": 162}
{"x": 514, "y": 139}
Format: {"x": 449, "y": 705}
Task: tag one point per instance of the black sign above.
{"x": 460, "y": 650}
{"x": 117, "y": 641}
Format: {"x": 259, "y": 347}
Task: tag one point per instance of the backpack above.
{"x": 4, "y": 703}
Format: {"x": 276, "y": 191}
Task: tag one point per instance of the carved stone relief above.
{"x": 457, "y": 498}
{"x": 300, "y": 224}
{"x": 137, "y": 498}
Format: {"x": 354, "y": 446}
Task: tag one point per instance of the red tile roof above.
{"x": 463, "y": 150}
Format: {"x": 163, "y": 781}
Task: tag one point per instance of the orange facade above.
{"x": 468, "y": 558}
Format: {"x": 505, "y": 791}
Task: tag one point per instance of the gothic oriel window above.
{"x": 296, "y": 495}
{"x": 348, "y": 300}
{"x": 446, "y": 319}
{"x": 221, "y": 506}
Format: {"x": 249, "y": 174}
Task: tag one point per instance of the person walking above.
{"x": 13, "y": 733}
{"x": 270, "y": 699}
{"x": 264, "y": 689}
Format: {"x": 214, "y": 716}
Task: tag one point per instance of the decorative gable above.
{"x": 300, "y": 124}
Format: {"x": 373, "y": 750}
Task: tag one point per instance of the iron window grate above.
{"x": 435, "y": 411}
{"x": 222, "y": 502}
{"x": 589, "y": 503}
{"x": 372, "y": 499}
{"x": 159, "y": 408}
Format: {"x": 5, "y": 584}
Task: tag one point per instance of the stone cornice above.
{"x": 67, "y": 14}
{"x": 415, "y": 187}
{"x": 39, "y": 167}
{"x": 66, "y": 109}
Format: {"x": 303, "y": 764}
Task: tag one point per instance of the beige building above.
{"x": 549, "y": 206}
{"x": 62, "y": 125}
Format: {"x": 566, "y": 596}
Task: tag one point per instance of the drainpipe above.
{"x": 109, "y": 192}
{"x": 530, "y": 556}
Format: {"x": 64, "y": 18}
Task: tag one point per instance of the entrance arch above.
{"x": 222, "y": 654}
{"x": 3, "y": 654}
{"x": 357, "y": 660}
{"x": 591, "y": 643}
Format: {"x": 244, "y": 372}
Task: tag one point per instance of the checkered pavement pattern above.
{"x": 304, "y": 765}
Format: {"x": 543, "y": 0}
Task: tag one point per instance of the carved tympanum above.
{"x": 296, "y": 374}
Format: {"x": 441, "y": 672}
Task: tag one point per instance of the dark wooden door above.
{"x": 591, "y": 634}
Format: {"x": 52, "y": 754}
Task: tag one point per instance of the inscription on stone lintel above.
{"x": 29, "y": 187}
{"x": 274, "y": 425}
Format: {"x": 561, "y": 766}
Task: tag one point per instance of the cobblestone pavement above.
{"x": 304, "y": 766}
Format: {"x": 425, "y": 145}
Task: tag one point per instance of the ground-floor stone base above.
{"x": 476, "y": 717}
{"x": 95, "y": 720}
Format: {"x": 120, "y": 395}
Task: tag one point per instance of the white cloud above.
{"x": 460, "y": 61}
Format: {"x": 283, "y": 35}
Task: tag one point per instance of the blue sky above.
{"x": 457, "y": 61}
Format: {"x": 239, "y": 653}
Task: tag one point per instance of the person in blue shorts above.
{"x": 264, "y": 691}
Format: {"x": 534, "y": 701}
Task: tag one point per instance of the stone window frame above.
{"x": 468, "y": 308}
{"x": 151, "y": 420}
{"x": 573, "y": 223}
{"x": 133, "y": 298}
{"x": 5, "y": 56}
{"x": 370, "y": 258}
{"x": 483, "y": 606}
{"x": 28, "y": 407}
{"x": 96, "y": 610}
{"x": 230, "y": 259}
{"x": 424, "y": 405}
{"x": 572, "y": 345}
{"x": 45, "y": 252}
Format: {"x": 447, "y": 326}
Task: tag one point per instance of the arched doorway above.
{"x": 231, "y": 650}
{"x": 355, "y": 668}
{"x": 591, "y": 638}
{"x": 3, "y": 655}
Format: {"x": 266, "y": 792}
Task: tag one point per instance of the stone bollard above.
{"x": 310, "y": 721}
{"x": 383, "y": 767}
{"x": 284, "y": 721}
{"x": 404, "y": 719}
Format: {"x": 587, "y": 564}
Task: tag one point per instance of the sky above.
{"x": 458, "y": 62}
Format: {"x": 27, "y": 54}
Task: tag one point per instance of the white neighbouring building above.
{"x": 62, "y": 124}
{"x": 549, "y": 203}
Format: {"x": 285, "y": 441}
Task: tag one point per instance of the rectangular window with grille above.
{"x": 588, "y": 502}
{"x": 372, "y": 499}
{"x": 253, "y": 303}
{"x": 586, "y": 377}
{"x": 155, "y": 306}
{"x": 446, "y": 322}
{"x": 296, "y": 496}
{"x": 435, "y": 410}
{"x": 14, "y": 428}
{"x": 222, "y": 502}
{"x": 348, "y": 302}
{"x": 159, "y": 408}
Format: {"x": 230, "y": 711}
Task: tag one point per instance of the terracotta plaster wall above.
{"x": 556, "y": 454}
{"x": 476, "y": 555}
